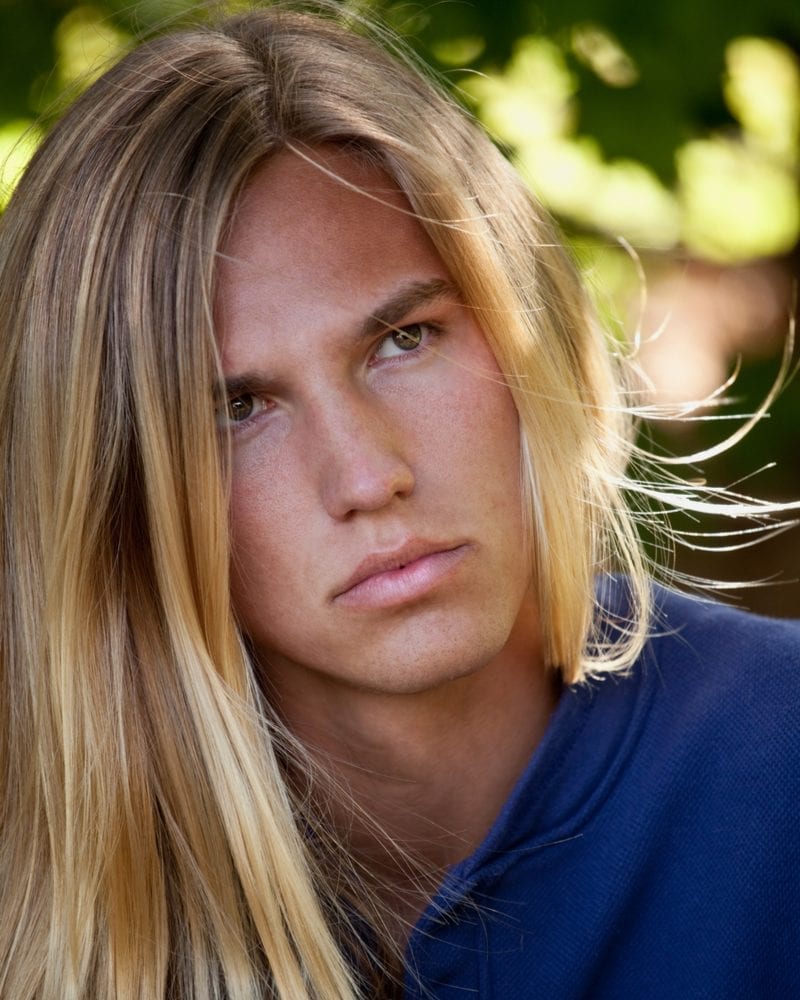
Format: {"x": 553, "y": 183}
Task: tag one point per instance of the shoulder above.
{"x": 700, "y": 640}
{"x": 704, "y": 658}
{"x": 714, "y": 700}
{"x": 722, "y": 655}
{"x": 723, "y": 693}
{"x": 706, "y": 631}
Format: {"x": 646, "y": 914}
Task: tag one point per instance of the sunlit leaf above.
{"x": 762, "y": 88}
{"x": 18, "y": 142}
{"x": 737, "y": 205}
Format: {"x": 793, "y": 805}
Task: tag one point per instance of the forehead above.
{"x": 315, "y": 244}
{"x": 326, "y": 185}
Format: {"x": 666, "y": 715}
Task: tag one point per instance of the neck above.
{"x": 425, "y": 774}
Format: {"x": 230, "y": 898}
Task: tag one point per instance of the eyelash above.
{"x": 428, "y": 332}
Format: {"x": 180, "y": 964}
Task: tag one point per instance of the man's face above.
{"x": 376, "y": 515}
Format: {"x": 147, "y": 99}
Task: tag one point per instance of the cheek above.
{"x": 269, "y": 536}
{"x": 483, "y": 426}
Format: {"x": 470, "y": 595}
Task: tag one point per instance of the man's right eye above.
{"x": 239, "y": 409}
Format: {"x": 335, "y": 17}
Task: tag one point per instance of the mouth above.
{"x": 407, "y": 574}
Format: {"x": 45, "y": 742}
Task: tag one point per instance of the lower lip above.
{"x": 407, "y": 583}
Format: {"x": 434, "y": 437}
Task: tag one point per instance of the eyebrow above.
{"x": 409, "y": 297}
{"x": 387, "y": 315}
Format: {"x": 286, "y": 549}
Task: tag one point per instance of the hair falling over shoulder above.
{"x": 152, "y": 845}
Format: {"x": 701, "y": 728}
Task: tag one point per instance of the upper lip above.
{"x": 381, "y": 562}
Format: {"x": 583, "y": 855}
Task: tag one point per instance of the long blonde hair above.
{"x": 150, "y": 840}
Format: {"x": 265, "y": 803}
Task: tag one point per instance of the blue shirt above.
{"x": 652, "y": 847}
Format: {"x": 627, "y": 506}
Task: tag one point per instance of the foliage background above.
{"x": 666, "y": 139}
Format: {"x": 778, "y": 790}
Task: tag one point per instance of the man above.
{"x": 328, "y": 458}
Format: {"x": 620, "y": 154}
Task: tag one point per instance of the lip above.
{"x": 405, "y": 574}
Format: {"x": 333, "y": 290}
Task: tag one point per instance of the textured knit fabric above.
{"x": 652, "y": 847}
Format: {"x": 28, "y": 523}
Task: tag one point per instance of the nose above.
{"x": 360, "y": 455}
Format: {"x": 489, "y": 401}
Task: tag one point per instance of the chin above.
{"x": 423, "y": 665}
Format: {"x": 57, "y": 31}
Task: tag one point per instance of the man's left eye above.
{"x": 401, "y": 341}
